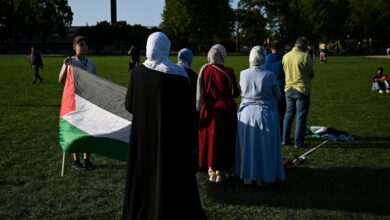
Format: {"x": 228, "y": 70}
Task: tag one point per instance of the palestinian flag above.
{"x": 93, "y": 118}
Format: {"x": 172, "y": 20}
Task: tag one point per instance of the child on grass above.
{"x": 80, "y": 46}
{"x": 380, "y": 81}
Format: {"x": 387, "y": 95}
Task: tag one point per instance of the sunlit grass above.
{"x": 339, "y": 181}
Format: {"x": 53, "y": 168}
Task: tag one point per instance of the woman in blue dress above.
{"x": 258, "y": 149}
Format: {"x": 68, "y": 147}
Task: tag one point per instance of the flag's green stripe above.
{"x": 74, "y": 140}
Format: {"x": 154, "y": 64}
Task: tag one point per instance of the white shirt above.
{"x": 85, "y": 64}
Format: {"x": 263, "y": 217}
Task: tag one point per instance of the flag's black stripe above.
{"x": 103, "y": 93}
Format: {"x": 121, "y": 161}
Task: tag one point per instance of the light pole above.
{"x": 113, "y": 12}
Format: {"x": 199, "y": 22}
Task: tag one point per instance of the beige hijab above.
{"x": 216, "y": 55}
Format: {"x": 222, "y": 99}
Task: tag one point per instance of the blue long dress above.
{"x": 258, "y": 148}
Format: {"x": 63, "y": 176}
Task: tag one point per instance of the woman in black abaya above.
{"x": 161, "y": 182}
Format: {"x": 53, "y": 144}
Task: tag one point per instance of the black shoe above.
{"x": 77, "y": 165}
{"x": 88, "y": 166}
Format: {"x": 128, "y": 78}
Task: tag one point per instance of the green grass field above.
{"x": 339, "y": 181}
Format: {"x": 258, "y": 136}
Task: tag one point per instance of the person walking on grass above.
{"x": 299, "y": 71}
{"x": 36, "y": 64}
{"x": 80, "y": 60}
{"x": 323, "y": 56}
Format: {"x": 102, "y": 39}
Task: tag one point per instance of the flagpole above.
{"x": 63, "y": 164}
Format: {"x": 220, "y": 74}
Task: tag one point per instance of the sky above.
{"x": 144, "y": 12}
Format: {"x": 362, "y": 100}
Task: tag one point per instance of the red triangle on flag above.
{"x": 68, "y": 103}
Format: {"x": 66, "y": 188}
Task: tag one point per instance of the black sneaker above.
{"x": 88, "y": 166}
{"x": 77, "y": 165}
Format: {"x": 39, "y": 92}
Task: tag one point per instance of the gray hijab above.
{"x": 257, "y": 56}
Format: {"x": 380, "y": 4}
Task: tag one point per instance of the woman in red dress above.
{"x": 217, "y": 87}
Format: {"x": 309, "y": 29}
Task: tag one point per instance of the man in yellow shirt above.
{"x": 299, "y": 71}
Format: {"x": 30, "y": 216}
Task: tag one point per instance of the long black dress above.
{"x": 193, "y": 77}
{"x": 161, "y": 182}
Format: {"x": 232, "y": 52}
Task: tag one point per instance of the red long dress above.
{"x": 218, "y": 118}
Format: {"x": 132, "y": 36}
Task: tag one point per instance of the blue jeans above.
{"x": 297, "y": 103}
{"x": 380, "y": 85}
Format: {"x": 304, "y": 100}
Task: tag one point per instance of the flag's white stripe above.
{"x": 98, "y": 122}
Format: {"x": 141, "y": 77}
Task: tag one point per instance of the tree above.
{"x": 197, "y": 23}
{"x": 35, "y": 18}
{"x": 326, "y": 19}
{"x": 316, "y": 19}
{"x": 251, "y": 22}
{"x": 177, "y": 21}
{"x": 6, "y": 12}
{"x": 372, "y": 17}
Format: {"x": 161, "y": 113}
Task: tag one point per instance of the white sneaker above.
{"x": 380, "y": 91}
{"x": 218, "y": 179}
{"x": 387, "y": 90}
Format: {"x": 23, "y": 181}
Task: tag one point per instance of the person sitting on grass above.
{"x": 380, "y": 81}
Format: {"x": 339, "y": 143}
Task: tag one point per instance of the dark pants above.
{"x": 281, "y": 111}
{"x": 35, "y": 69}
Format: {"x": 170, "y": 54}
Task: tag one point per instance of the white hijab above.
{"x": 257, "y": 56}
{"x": 157, "y": 52}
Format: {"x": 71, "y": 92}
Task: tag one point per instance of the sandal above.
{"x": 212, "y": 175}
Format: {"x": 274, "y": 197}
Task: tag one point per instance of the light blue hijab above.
{"x": 184, "y": 58}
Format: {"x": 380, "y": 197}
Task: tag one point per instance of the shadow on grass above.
{"x": 111, "y": 166}
{"x": 358, "y": 143}
{"x": 33, "y": 105}
{"x": 360, "y": 190}
{"x": 373, "y": 142}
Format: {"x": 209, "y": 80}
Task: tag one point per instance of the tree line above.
{"x": 255, "y": 21}
{"x": 27, "y": 18}
{"x": 119, "y": 36}
{"x": 363, "y": 25}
